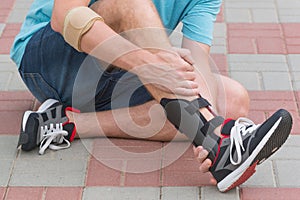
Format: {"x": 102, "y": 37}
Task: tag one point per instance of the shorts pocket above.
{"x": 39, "y": 87}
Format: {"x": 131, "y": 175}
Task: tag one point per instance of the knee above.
{"x": 120, "y": 13}
{"x": 238, "y": 101}
{"x": 242, "y": 101}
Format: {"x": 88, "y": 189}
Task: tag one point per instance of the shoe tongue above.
{"x": 227, "y": 125}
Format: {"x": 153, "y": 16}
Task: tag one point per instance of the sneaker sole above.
{"x": 274, "y": 139}
{"x": 278, "y": 138}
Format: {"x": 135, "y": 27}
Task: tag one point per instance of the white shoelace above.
{"x": 240, "y": 127}
{"x": 53, "y": 134}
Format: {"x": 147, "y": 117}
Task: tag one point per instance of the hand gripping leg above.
{"x": 185, "y": 116}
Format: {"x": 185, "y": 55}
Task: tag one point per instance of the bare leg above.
{"x": 121, "y": 18}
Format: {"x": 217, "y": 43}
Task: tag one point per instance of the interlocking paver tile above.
{"x": 270, "y": 193}
{"x": 244, "y": 15}
{"x": 4, "y": 12}
{"x": 113, "y": 193}
{"x": 248, "y": 11}
{"x": 271, "y": 105}
{"x": 250, "y": 80}
{"x": 180, "y": 193}
{"x": 13, "y": 104}
{"x": 294, "y": 61}
{"x": 184, "y": 172}
{"x": 8, "y": 145}
{"x": 287, "y": 153}
{"x": 255, "y": 38}
{"x": 63, "y": 193}
{"x": 292, "y": 35}
{"x": 2, "y": 192}
{"x": 263, "y": 176}
{"x": 277, "y": 81}
{"x": 264, "y": 15}
{"x": 100, "y": 174}
{"x": 7, "y": 4}
{"x": 61, "y": 168}
{"x": 2, "y": 26}
{"x": 287, "y": 173}
{"x": 211, "y": 193}
{"x": 259, "y": 72}
{"x": 18, "y": 14}
{"x": 288, "y": 10}
{"x": 7, "y": 37}
{"x": 271, "y": 45}
{"x": 257, "y": 116}
{"x": 142, "y": 179}
{"x": 262, "y": 62}
{"x": 24, "y": 193}
{"x": 219, "y": 39}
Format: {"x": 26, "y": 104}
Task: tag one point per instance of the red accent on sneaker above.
{"x": 219, "y": 147}
{"x": 73, "y": 133}
{"x": 246, "y": 175}
{"x": 72, "y": 109}
{"x": 74, "y": 129}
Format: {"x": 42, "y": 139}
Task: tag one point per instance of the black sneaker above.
{"x": 244, "y": 145}
{"x": 48, "y": 127}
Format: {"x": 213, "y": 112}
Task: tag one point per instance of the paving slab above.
{"x": 180, "y": 193}
{"x": 115, "y": 193}
{"x": 212, "y": 193}
{"x": 287, "y": 173}
{"x": 248, "y": 11}
{"x": 263, "y": 177}
{"x": 2, "y": 26}
{"x": 277, "y": 81}
{"x": 24, "y": 193}
{"x": 260, "y": 72}
{"x": 8, "y": 146}
{"x": 270, "y": 193}
{"x": 219, "y": 45}
{"x": 54, "y": 168}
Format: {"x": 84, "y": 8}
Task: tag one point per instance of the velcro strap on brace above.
{"x": 78, "y": 21}
{"x": 196, "y": 104}
{"x": 185, "y": 116}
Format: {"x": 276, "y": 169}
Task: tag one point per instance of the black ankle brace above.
{"x": 185, "y": 116}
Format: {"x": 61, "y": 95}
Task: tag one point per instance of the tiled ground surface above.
{"x": 256, "y": 43}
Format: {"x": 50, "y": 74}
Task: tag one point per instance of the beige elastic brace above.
{"x": 77, "y": 22}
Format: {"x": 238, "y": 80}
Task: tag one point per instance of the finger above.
{"x": 189, "y": 75}
{"x": 187, "y": 85}
{"x": 202, "y": 155}
{"x": 185, "y": 91}
{"x": 197, "y": 150}
{"x": 213, "y": 181}
{"x": 204, "y": 167}
{"x": 185, "y": 54}
{"x": 187, "y": 67}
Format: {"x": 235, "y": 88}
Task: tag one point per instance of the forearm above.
{"x": 105, "y": 44}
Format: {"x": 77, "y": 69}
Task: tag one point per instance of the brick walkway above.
{"x": 256, "y": 43}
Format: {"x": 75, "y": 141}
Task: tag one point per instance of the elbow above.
{"x": 56, "y": 25}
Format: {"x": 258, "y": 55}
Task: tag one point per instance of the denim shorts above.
{"x": 51, "y": 68}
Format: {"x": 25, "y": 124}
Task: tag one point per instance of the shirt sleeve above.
{"x": 198, "y": 23}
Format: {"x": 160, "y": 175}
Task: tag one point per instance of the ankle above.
{"x": 70, "y": 116}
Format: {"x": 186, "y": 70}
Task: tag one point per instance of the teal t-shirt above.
{"x": 197, "y": 17}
